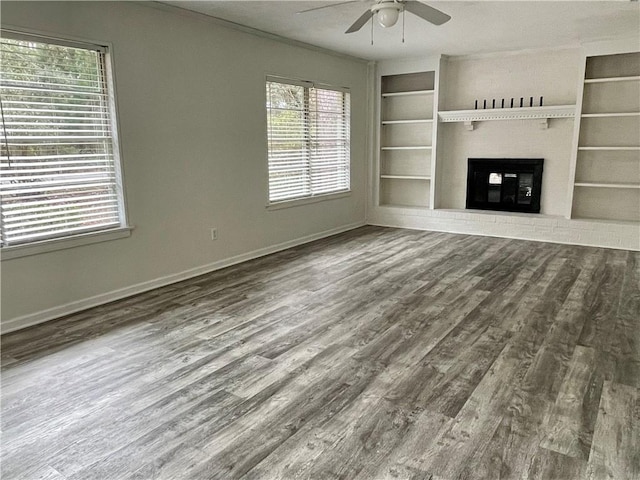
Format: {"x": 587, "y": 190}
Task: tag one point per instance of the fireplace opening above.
{"x": 505, "y": 184}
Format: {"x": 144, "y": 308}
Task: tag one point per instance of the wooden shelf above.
{"x": 608, "y": 185}
{"x": 635, "y": 78}
{"x": 416, "y": 147}
{"x": 400, "y": 122}
{"x": 611, "y": 115}
{"x": 405, "y": 94}
{"x": 406, "y": 206}
{"x": 612, "y": 149}
{"x": 520, "y": 113}
{"x": 407, "y": 177}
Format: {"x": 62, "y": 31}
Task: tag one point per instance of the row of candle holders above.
{"x": 513, "y": 103}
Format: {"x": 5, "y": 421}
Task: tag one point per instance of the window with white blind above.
{"x": 308, "y": 130}
{"x": 59, "y": 165}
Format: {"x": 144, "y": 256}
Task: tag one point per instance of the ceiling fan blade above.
{"x": 426, "y": 12}
{"x": 327, "y": 6}
{"x": 360, "y": 22}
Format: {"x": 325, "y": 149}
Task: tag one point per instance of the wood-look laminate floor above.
{"x": 376, "y": 354}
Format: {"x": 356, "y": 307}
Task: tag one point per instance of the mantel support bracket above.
{"x": 468, "y": 125}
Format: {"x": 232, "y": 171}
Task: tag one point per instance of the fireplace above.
{"x": 506, "y": 184}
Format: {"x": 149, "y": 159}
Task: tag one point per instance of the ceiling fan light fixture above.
{"x": 388, "y": 11}
{"x": 388, "y": 15}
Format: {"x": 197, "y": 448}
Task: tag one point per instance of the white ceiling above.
{"x": 476, "y": 26}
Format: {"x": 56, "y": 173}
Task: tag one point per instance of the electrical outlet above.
{"x": 214, "y": 233}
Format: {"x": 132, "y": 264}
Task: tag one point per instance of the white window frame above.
{"x": 84, "y": 238}
{"x": 311, "y": 198}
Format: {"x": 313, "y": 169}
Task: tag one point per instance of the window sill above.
{"x": 307, "y": 200}
{"x": 45, "y": 246}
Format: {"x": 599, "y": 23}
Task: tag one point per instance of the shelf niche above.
{"x": 404, "y": 192}
{"x": 409, "y": 83}
{"x": 607, "y": 169}
{"x": 619, "y": 65}
{"x": 406, "y": 136}
{"x": 608, "y": 166}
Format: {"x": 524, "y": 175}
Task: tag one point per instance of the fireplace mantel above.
{"x": 521, "y": 113}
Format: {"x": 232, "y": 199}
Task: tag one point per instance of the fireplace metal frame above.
{"x": 505, "y": 165}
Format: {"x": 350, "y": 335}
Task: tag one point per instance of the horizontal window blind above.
{"x": 308, "y": 130}
{"x": 59, "y": 174}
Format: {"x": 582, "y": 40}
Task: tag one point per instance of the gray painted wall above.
{"x": 191, "y": 100}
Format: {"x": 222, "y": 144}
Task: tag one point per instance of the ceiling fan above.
{"x": 388, "y": 11}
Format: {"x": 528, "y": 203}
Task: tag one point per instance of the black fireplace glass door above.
{"x": 525, "y": 188}
{"x": 509, "y": 188}
{"x": 480, "y": 186}
{"x": 495, "y": 188}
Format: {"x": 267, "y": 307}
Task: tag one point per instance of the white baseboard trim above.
{"x": 24, "y": 321}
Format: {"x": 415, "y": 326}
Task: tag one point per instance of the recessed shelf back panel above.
{"x": 610, "y": 131}
{"x": 407, "y": 82}
{"x": 417, "y": 107}
{"x": 410, "y": 193}
{"x": 611, "y": 97}
{"x": 608, "y": 167}
{"x": 410, "y": 134}
{"x": 620, "y": 65}
{"x": 405, "y": 162}
{"x": 607, "y": 203}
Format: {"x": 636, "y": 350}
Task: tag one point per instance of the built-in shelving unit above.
{"x": 406, "y": 139}
{"x": 607, "y": 163}
{"x": 420, "y": 150}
